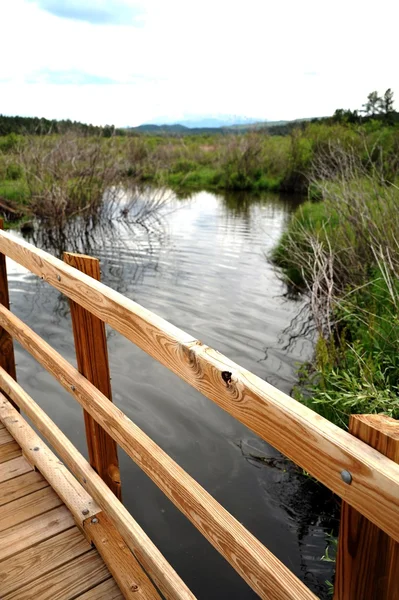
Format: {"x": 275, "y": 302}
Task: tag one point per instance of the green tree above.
{"x": 386, "y": 103}
{"x": 373, "y": 104}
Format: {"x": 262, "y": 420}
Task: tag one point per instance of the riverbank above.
{"x": 56, "y": 176}
{"x": 342, "y": 252}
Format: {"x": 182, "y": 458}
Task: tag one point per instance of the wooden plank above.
{"x": 145, "y": 551}
{"x": 105, "y": 591}
{"x": 21, "y": 486}
{"x": 79, "y": 502}
{"x": 5, "y": 437}
{"x": 65, "y": 582}
{"x": 259, "y": 567}
{"x": 7, "y": 358}
{"x": 368, "y": 559}
{"x": 28, "y": 507}
{"x": 9, "y": 451}
{"x": 27, "y": 534}
{"x": 20, "y": 570}
{"x": 92, "y": 359}
{"x": 311, "y": 441}
{"x": 14, "y": 468}
{"x": 125, "y": 569}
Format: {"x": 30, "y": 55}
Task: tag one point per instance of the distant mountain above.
{"x": 273, "y": 127}
{"x": 201, "y": 121}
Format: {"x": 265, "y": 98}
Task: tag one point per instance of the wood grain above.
{"x": 368, "y": 559}
{"x": 65, "y": 582}
{"x": 92, "y": 360}
{"x": 125, "y": 569}
{"x": 28, "y": 507}
{"x": 9, "y": 451}
{"x": 79, "y": 502}
{"x": 27, "y": 534}
{"x": 145, "y": 551}
{"x": 20, "y": 570}
{"x": 105, "y": 591}
{"x": 311, "y": 441}
{"x": 259, "y": 567}
{"x": 7, "y": 358}
{"x": 21, "y": 486}
{"x": 5, "y": 437}
{"x": 14, "y": 468}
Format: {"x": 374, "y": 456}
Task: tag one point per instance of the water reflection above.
{"x": 202, "y": 264}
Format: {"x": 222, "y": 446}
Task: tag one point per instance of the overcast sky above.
{"x": 127, "y": 62}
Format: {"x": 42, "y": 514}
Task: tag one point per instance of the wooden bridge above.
{"x": 64, "y": 531}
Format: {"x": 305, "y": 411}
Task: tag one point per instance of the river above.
{"x": 201, "y": 263}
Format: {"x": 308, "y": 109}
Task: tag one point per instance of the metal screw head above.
{"x": 36, "y": 448}
{"x": 346, "y": 477}
{"x": 85, "y": 511}
{"x": 73, "y": 388}
{"x": 94, "y": 520}
{"x": 59, "y": 277}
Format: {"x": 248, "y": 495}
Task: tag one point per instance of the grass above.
{"x": 343, "y": 253}
{"x": 14, "y": 191}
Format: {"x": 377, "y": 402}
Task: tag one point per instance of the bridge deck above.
{"x": 43, "y": 554}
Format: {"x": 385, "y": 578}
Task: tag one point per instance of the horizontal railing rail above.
{"x": 311, "y": 441}
{"x": 256, "y": 565}
{"x": 325, "y": 451}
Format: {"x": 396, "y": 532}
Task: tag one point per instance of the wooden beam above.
{"x": 7, "y": 358}
{"x": 92, "y": 359}
{"x": 311, "y": 441}
{"x": 78, "y": 501}
{"x": 259, "y": 567}
{"x": 368, "y": 559}
{"x": 131, "y": 579}
{"x": 145, "y": 551}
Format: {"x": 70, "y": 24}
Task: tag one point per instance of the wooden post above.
{"x": 92, "y": 359}
{"x": 7, "y": 359}
{"x": 368, "y": 559}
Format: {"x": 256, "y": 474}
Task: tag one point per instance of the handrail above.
{"x": 267, "y": 576}
{"x": 311, "y": 441}
{"x": 161, "y": 572}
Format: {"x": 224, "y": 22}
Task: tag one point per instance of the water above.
{"x": 201, "y": 263}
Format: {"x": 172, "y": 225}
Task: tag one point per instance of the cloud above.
{"x": 96, "y": 12}
{"x": 71, "y": 77}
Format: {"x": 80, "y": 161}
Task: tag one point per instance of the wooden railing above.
{"x": 362, "y": 476}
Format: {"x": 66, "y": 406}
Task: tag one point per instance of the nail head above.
{"x": 94, "y": 520}
{"x": 346, "y": 477}
{"x": 85, "y": 511}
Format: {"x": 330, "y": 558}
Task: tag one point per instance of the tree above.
{"x": 386, "y": 103}
{"x": 373, "y": 104}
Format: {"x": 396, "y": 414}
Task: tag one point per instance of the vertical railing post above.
{"x": 92, "y": 360}
{"x": 368, "y": 559}
{"x": 7, "y": 359}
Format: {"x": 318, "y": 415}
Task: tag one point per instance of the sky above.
{"x": 127, "y": 62}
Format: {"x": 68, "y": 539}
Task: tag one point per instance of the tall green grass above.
{"x": 343, "y": 253}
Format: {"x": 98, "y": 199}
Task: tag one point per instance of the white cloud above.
{"x": 260, "y": 58}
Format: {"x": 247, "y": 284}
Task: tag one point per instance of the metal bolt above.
{"x": 73, "y": 388}
{"x": 85, "y": 511}
{"x": 94, "y": 520}
{"x": 36, "y": 448}
{"x": 59, "y": 277}
{"x": 346, "y": 477}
